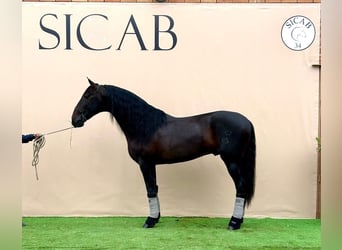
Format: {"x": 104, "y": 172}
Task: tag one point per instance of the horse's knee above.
{"x": 152, "y": 192}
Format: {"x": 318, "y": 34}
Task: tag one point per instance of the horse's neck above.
{"x": 120, "y": 108}
{"x": 136, "y": 118}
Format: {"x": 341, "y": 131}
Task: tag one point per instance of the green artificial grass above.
{"x": 169, "y": 233}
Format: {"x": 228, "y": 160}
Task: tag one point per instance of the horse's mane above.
{"x": 136, "y": 118}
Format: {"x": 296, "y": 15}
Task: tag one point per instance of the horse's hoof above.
{"x": 151, "y": 222}
{"x": 235, "y": 223}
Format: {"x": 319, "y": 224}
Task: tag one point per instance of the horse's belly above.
{"x": 181, "y": 140}
{"x": 179, "y": 151}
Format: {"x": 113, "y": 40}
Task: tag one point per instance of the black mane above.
{"x": 136, "y": 118}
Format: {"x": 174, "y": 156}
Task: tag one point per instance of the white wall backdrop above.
{"x": 227, "y": 57}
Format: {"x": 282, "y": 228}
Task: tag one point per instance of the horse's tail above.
{"x": 249, "y": 167}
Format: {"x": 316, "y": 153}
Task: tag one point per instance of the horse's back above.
{"x": 220, "y": 130}
{"x": 215, "y": 124}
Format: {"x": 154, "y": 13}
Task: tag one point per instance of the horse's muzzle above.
{"x": 78, "y": 121}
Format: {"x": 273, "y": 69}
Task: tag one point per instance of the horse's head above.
{"x": 90, "y": 104}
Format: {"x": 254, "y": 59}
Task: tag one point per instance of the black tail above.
{"x": 249, "y": 167}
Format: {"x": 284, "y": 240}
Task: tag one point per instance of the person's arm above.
{"x": 27, "y": 138}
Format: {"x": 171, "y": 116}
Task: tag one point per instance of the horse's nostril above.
{"x": 77, "y": 123}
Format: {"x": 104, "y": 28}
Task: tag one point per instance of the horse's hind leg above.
{"x": 234, "y": 170}
{"x": 149, "y": 174}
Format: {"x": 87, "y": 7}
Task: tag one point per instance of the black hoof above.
{"x": 235, "y": 223}
{"x": 151, "y": 222}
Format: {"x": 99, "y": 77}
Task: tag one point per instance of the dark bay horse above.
{"x": 154, "y": 137}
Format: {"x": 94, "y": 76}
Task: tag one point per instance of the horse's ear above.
{"x": 91, "y": 82}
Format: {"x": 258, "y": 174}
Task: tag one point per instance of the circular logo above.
{"x": 298, "y": 32}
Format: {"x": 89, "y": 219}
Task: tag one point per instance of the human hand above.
{"x": 36, "y": 136}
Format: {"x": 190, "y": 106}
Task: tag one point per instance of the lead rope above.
{"x": 38, "y": 143}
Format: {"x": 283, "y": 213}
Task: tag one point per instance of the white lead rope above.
{"x": 38, "y": 143}
{"x": 57, "y": 131}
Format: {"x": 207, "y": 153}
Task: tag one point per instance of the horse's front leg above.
{"x": 149, "y": 174}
